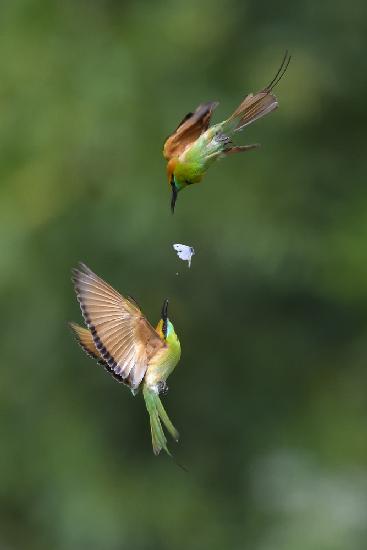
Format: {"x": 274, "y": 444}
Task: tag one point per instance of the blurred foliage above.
{"x": 270, "y": 394}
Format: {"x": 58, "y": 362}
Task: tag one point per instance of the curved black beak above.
{"x": 174, "y": 196}
{"x": 165, "y": 316}
{"x": 165, "y": 309}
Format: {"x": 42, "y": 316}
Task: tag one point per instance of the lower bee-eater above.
{"x": 123, "y": 341}
{"x": 194, "y": 146}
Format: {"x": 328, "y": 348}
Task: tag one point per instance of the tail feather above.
{"x": 241, "y": 148}
{"x": 159, "y": 440}
{"x": 255, "y": 106}
{"x": 252, "y": 108}
{"x": 166, "y": 421}
{"x": 157, "y": 414}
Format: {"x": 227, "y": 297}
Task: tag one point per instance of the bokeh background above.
{"x": 270, "y": 395}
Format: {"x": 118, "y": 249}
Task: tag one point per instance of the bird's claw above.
{"x": 162, "y": 388}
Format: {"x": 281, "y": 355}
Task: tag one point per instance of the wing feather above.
{"x": 121, "y": 334}
{"x": 189, "y": 129}
{"x": 85, "y": 340}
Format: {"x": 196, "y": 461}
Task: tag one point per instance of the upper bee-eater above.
{"x": 194, "y": 146}
{"x": 123, "y": 341}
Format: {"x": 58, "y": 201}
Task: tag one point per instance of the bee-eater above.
{"x": 123, "y": 341}
{"x": 194, "y": 146}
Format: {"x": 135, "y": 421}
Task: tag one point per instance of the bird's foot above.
{"x": 162, "y": 388}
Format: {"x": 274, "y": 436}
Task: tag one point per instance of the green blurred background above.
{"x": 270, "y": 394}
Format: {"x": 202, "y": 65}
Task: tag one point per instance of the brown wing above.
{"x": 122, "y": 335}
{"x": 189, "y": 129}
{"x": 85, "y": 340}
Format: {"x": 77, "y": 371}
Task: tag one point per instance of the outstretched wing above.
{"x": 85, "y": 340}
{"x": 121, "y": 334}
{"x": 189, "y": 129}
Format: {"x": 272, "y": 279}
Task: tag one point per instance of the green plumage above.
{"x": 155, "y": 378}
{"x": 121, "y": 339}
{"x": 157, "y": 414}
{"x": 195, "y": 145}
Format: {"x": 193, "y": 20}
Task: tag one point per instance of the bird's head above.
{"x": 165, "y": 328}
{"x": 174, "y": 182}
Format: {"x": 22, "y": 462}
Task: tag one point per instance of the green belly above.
{"x": 163, "y": 363}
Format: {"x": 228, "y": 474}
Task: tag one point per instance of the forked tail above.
{"x": 255, "y": 106}
{"x": 157, "y": 414}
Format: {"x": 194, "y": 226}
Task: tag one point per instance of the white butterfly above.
{"x": 184, "y": 252}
